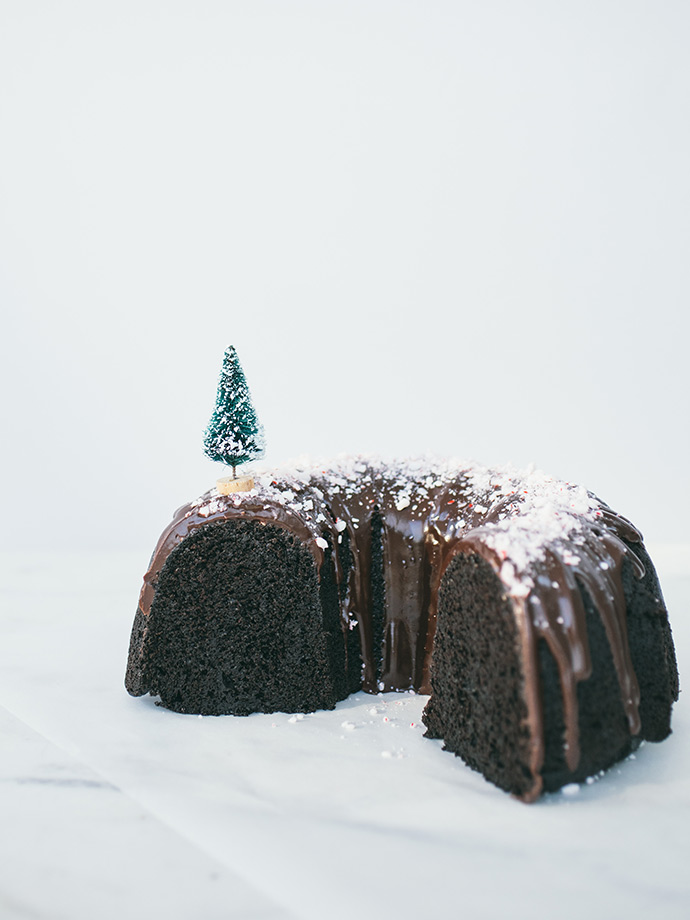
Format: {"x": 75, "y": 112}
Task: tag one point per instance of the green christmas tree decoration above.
{"x": 234, "y": 435}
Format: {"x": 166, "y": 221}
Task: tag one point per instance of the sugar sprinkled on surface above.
{"x": 516, "y": 513}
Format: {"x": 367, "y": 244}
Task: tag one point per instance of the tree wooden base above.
{"x": 227, "y": 485}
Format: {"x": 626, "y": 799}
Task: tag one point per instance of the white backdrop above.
{"x": 455, "y": 227}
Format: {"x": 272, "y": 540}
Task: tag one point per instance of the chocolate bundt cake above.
{"x": 525, "y": 606}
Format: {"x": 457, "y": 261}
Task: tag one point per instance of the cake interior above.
{"x": 477, "y": 707}
{"x": 240, "y": 624}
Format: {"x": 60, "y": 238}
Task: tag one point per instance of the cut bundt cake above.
{"x": 526, "y": 608}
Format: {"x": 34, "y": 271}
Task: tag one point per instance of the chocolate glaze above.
{"x": 425, "y": 521}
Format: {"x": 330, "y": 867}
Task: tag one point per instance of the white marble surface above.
{"x": 112, "y": 807}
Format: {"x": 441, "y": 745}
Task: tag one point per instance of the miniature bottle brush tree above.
{"x": 234, "y": 435}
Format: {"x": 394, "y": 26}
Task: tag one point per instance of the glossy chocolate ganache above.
{"x": 545, "y": 540}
